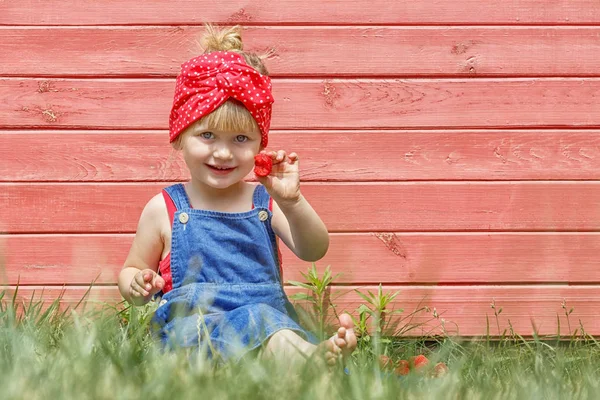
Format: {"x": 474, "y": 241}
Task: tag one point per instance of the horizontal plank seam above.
{"x": 339, "y": 75}
{"x": 299, "y": 26}
{"x": 452, "y": 284}
{"x": 359, "y": 285}
{"x": 504, "y": 24}
{"x": 357, "y": 181}
{"x": 329, "y": 77}
{"x": 289, "y": 131}
{"x": 424, "y": 129}
{"x": 350, "y": 286}
{"x": 4, "y": 236}
{"x": 325, "y": 77}
{"x": 320, "y": 180}
{"x": 319, "y": 79}
{"x": 337, "y": 183}
{"x": 39, "y": 126}
{"x": 439, "y": 231}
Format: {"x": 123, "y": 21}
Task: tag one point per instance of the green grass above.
{"x": 110, "y": 355}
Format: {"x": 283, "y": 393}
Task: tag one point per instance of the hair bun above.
{"x": 227, "y": 39}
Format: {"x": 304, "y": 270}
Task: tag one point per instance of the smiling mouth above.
{"x": 220, "y": 168}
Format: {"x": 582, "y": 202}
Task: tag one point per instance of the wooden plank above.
{"x": 394, "y": 155}
{"x": 122, "y": 12}
{"x": 89, "y": 156}
{"x": 345, "y": 207}
{"x": 368, "y": 258}
{"x": 336, "y": 103}
{"x": 463, "y": 309}
{"x": 318, "y": 51}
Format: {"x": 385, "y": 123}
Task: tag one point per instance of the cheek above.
{"x": 195, "y": 149}
{"x": 248, "y": 154}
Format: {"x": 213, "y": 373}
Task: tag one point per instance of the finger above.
{"x": 157, "y": 285}
{"x": 140, "y": 279}
{"x": 293, "y": 157}
{"x": 148, "y": 275}
{"x": 137, "y": 291}
{"x": 141, "y": 290}
{"x": 279, "y": 157}
{"x": 158, "y": 282}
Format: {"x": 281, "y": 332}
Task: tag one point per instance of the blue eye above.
{"x": 241, "y": 138}
{"x": 207, "y": 135}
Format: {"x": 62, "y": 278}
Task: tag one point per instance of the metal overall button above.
{"x": 263, "y": 215}
{"x": 184, "y": 218}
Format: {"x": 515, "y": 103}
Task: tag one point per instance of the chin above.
{"x": 221, "y": 184}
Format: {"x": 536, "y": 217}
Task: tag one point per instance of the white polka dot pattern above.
{"x": 209, "y": 80}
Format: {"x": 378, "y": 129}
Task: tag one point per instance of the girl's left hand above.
{"x": 283, "y": 183}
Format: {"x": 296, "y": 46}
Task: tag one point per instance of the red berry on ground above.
{"x": 403, "y": 368}
{"x": 420, "y": 361}
{"x": 263, "y": 164}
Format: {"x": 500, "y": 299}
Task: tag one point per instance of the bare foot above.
{"x": 330, "y": 352}
{"x": 346, "y": 332}
{"x": 342, "y": 344}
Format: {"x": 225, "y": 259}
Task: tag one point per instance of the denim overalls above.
{"x": 226, "y": 280}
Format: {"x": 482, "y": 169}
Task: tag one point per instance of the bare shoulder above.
{"x": 156, "y": 208}
{"x": 148, "y": 243}
{"x": 156, "y": 217}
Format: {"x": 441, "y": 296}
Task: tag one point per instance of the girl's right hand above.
{"x": 144, "y": 285}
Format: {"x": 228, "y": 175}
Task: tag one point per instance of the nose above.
{"x": 222, "y": 152}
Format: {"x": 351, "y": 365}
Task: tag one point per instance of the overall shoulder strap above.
{"x": 178, "y": 195}
{"x": 262, "y": 198}
{"x": 175, "y": 199}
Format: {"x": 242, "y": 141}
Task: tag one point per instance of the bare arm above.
{"x": 301, "y": 229}
{"x": 144, "y": 255}
{"x": 294, "y": 220}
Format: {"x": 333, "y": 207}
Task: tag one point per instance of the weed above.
{"x": 318, "y": 295}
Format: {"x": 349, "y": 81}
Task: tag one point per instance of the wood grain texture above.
{"x": 368, "y": 258}
{"x": 335, "y": 103}
{"x": 451, "y": 150}
{"x": 463, "y": 309}
{"x": 394, "y": 155}
{"x": 346, "y": 51}
{"x": 344, "y": 207}
{"x": 122, "y": 12}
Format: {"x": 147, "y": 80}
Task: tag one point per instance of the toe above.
{"x": 340, "y": 342}
{"x": 346, "y": 321}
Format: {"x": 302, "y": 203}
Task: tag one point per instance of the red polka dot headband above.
{"x": 209, "y": 80}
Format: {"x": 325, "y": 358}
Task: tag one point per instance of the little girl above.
{"x": 209, "y": 248}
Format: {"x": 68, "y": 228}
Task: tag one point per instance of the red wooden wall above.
{"x": 452, "y": 149}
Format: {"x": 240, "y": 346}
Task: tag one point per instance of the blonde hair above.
{"x": 231, "y": 116}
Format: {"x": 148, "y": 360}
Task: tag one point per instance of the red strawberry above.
{"x": 262, "y": 164}
{"x": 403, "y": 368}
{"x": 420, "y": 361}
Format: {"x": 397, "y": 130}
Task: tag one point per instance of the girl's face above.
{"x": 219, "y": 159}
